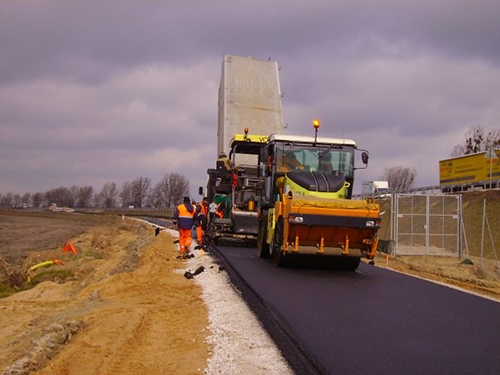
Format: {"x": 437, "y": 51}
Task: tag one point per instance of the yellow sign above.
{"x": 250, "y": 138}
{"x": 468, "y": 169}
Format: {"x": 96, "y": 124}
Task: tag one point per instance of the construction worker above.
{"x": 211, "y": 209}
{"x": 289, "y": 163}
{"x": 223, "y": 162}
{"x": 325, "y": 163}
{"x": 200, "y": 218}
{"x": 183, "y": 218}
{"x": 220, "y": 210}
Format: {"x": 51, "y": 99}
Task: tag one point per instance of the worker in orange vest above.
{"x": 183, "y": 218}
{"x": 200, "y": 218}
{"x": 220, "y": 210}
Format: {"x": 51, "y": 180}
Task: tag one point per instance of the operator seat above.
{"x": 318, "y": 181}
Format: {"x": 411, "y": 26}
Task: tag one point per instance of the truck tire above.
{"x": 262, "y": 245}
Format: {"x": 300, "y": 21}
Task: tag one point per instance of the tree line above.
{"x": 170, "y": 190}
{"x": 139, "y": 193}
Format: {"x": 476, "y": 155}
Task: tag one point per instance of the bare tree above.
{"x": 25, "y": 199}
{"x": 141, "y": 188}
{"x": 85, "y": 196}
{"x": 37, "y": 199}
{"x": 16, "y": 201}
{"x": 169, "y": 191}
{"x": 179, "y": 187}
{"x": 97, "y": 200}
{"x": 161, "y": 191}
{"x": 50, "y": 196}
{"x": 477, "y": 139}
{"x": 400, "y": 179}
{"x": 126, "y": 194}
{"x": 73, "y": 195}
{"x": 7, "y": 200}
{"x": 60, "y": 196}
{"x": 108, "y": 194}
{"x": 155, "y": 198}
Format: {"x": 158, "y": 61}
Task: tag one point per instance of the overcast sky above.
{"x": 109, "y": 91}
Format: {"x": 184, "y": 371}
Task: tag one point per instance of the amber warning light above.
{"x": 316, "y": 127}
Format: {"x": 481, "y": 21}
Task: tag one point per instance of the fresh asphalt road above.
{"x": 372, "y": 321}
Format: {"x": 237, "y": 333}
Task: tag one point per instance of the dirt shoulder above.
{"x": 469, "y": 274}
{"x": 120, "y": 304}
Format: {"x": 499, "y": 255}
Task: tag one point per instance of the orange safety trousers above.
{"x": 199, "y": 234}
{"x": 202, "y": 210}
{"x": 185, "y": 240}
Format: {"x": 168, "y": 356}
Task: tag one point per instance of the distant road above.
{"x": 373, "y": 321}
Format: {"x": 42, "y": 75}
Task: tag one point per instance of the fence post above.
{"x": 482, "y": 234}
{"x": 427, "y": 224}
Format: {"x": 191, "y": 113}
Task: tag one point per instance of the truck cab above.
{"x": 375, "y": 189}
{"x": 308, "y": 166}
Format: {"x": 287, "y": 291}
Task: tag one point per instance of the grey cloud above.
{"x": 87, "y": 41}
{"x": 92, "y": 92}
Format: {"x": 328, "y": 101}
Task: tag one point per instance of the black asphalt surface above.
{"x": 372, "y": 321}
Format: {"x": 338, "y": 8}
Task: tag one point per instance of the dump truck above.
{"x": 307, "y": 208}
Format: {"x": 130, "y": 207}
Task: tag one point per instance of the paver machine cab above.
{"x": 307, "y": 208}
{"x": 235, "y": 192}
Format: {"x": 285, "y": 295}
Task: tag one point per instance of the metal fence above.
{"x": 426, "y": 224}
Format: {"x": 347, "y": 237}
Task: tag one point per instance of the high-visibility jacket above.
{"x": 201, "y": 214}
{"x": 184, "y": 214}
{"x": 201, "y": 210}
{"x": 220, "y": 211}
